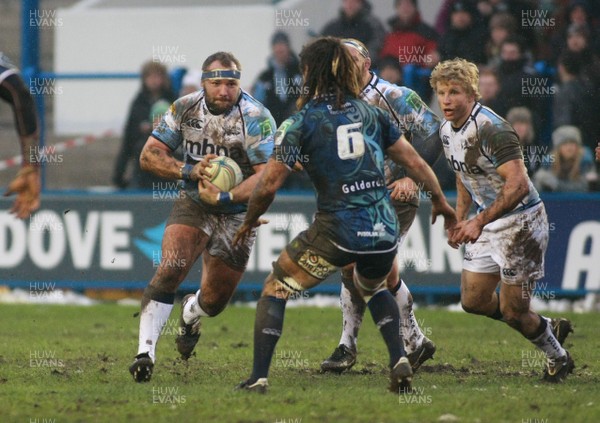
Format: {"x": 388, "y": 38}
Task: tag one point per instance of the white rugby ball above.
{"x": 225, "y": 173}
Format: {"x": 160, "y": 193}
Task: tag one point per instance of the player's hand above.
{"x": 199, "y": 169}
{"x": 208, "y": 192}
{"x": 27, "y": 186}
{"x": 298, "y": 167}
{"x": 442, "y": 208}
{"x": 246, "y": 230}
{"x": 467, "y": 231}
{"x": 403, "y": 189}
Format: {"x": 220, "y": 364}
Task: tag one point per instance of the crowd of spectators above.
{"x": 539, "y": 64}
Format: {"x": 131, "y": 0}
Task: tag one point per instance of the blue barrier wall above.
{"x": 113, "y": 241}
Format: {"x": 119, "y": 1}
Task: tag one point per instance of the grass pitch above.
{"x": 69, "y": 364}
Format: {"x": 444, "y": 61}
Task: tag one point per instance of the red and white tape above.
{"x": 58, "y": 147}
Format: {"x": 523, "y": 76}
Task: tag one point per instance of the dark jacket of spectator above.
{"x": 138, "y": 128}
{"x": 363, "y": 26}
{"x": 277, "y": 87}
{"x": 465, "y": 37}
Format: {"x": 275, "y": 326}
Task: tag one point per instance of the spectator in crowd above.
{"x": 515, "y": 75}
{"x": 598, "y": 152}
{"x": 155, "y": 88}
{"x": 411, "y": 41}
{"x": 489, "y": 88}
{"x": 518, "y": 9}
{"x": 576, "y": 13}
{"x": 278, "y": 86}
{"x": 501, "y": 26}
{"x": 191, "y": 82}
{"x": 465, "y": 37}
{"x": 522, "y": 122}
{"x": 578, "y": 43}
{"x": 570, "y": 167}
{"x": 356, "y": 21}
{"x": 574, "y": 101}
{"x": 389, "y": 69}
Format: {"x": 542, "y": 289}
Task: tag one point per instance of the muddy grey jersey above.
{"x": 244, "y": 133}
{"x": 415, "y": 120}
{"x": 476, "y": 149}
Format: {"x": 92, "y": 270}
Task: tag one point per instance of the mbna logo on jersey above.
{"x": 463, "y": 167}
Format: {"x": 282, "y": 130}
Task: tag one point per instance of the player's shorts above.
{"x": 220, "y": 229}
{"x": 406, "y": 213}
{"x": 513, "y": 246}
{"x": 318, "y": 256}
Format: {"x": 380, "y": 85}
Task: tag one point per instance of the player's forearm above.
{"x": 510, "y": 195}
{"x": 259, "y": 202}
{"x": 160, "y": 163}
{"x": 243, "y": 192}
{"x": 463, "y": 200}
{"x": 423, "y": 174}
{"x": 29, "y": 146}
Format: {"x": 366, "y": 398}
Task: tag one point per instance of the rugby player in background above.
{"x": 26, "y": 185}
{"x": 506, "y": 240}
{"x": 420, "y": 126}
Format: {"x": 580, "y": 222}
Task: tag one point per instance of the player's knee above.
{"x": 471, "y": 306}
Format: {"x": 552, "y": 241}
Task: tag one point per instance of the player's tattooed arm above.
{"x": 271, "y": 179}
{"x": 157, "y": 157}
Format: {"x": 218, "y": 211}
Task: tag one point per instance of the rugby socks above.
{"x": 267, "y": 330}
{"x": 353, "y": 310}
{"x": 192, "y": 309}
{"x": 544, "y": 339}
{"x": 412, "y": 337}
{"x": 156, "y": 309}
{"x": 385, "y": 314}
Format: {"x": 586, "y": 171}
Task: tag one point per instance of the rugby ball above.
{"x": 224, "y": 173}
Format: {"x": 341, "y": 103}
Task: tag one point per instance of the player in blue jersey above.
{"x": 220, "y": 119}
{"x": 26, "y": 184}
{"x": 419, "y": 125}
{"x": 340, "y": 141}
{"x": 506, "y": 240}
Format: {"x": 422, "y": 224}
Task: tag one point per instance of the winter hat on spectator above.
{"x": 280, "y": 37}
{"x": 566, "y": 133}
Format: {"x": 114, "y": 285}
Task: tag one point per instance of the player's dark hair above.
{"x": 328, "y": 68}
{"x": 227, "y": 59}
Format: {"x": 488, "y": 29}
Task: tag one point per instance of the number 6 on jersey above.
{"x": 350, "y": 141}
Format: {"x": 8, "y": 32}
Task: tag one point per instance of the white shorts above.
{"x": 513, "y": 246}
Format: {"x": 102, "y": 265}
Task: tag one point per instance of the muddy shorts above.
{"x": 220, "y": 229}
{"x": 513, "y": 246}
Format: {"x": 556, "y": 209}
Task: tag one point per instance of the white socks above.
{"x": 409, "y": 327}
{"x": 548, "y": 343}
{"x": 352, "y": 315}
{"x": 192, "y": 309}
{"x": 152, "y": 320}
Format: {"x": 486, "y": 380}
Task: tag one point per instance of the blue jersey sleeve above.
{"x": 288, "y": 142}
